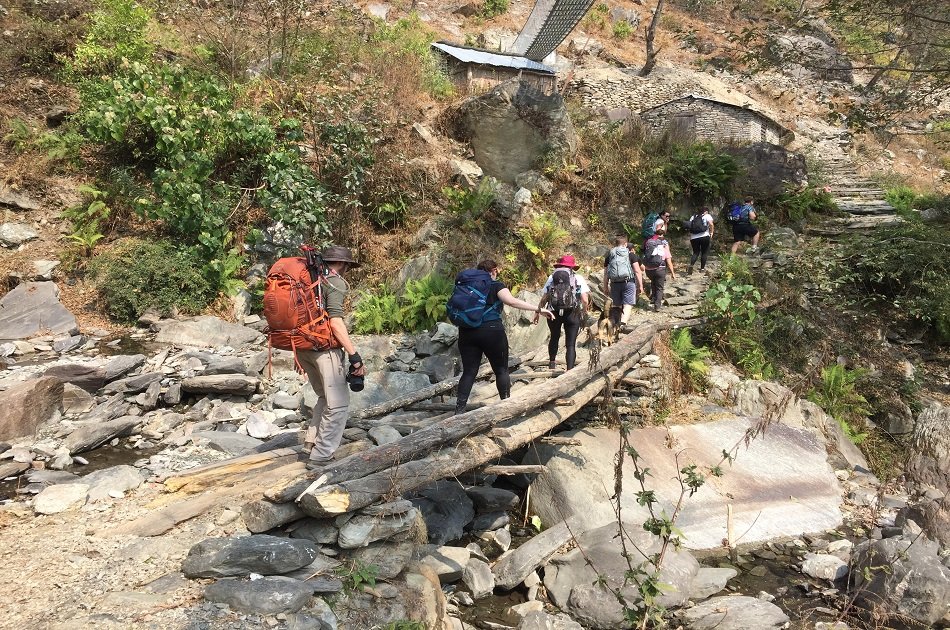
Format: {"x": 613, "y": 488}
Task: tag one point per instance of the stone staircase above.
{"x": 860, "y": 199}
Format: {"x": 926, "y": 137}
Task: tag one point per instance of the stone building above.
{"x": 700, "y": 118}
{"x": 475, "y": 71}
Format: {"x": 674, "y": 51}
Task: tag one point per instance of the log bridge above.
{"x": 276, "y": 488}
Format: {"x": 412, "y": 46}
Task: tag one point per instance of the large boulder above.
{"x": 929, "y": 461}
{"x": 767, "y": 170}
{"x": 523, "y": 335}
{"x": 513, "y": 127}
{"x": 29, "y": 405}
{"x": 265, "y": 555}
{"x": 446, "y": 509}
{"x": 735, "y": 612}
{"x": 806, "y": 56}
{"x": 206, "y": 332}
{"x": 379, "y": 387}
{"x": 33, "y": 308}
{"x": 781, "y": 462}
{"x": 905, "y": 575}
{"x": 573, "y": 579}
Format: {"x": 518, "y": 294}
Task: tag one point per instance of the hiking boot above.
{"x": 318, "y": 463}
{"x": 753, "y": 250}
{"x": 552, "y": 365}
{"x": 689, "y": 270}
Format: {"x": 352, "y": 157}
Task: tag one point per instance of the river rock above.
{"x": 32, "y": 309}
{"x": 221, "y": 384}
{"x": 30, "y": 405}
{"x": 206, "y": 332}
{"x": 446, "y": 509}
{"x": 439, "y": 367}
{"x": 66, "y": 344}
{"x": 76, "y": 400}
{"x": 384, "y": 434}
{"x": 915, "y": 583}
{"x": 87, "y": 376}
{"x": 15, "y": 234}
{"x": 824, "y": 567}
{"x": 445, "y": 334}
{"x": 448, "y": 563}
{"x": 264, "y": 596}
{"x": 390, "y": 559}
{"x": 226, "y": 365}
{"x": 319, "y": 530}
{"x": 735, "y": 612}
{"x": 477, "y": 576}
{"x": 489, "y": 522}
{"x": 161, "y": 423}
{"x": 120, "y": 365}
{"x": 573, "y": 586}
{"x": 285, "y": 400}
{"x": 60, "y": 498}
{"x": 259, "y": 426}
{"x": 89, "y": 436}
{"x": 104, "y": 483}
{"x": 132, "y": 384}
{"x": 545, "y": 621}
{"x": 383, "y": 386}
{"x": 362, "y": 529}
{"x": 489, "y": 499}
{"x": 709, "y": 581}
{"x": 512, "y": 127}
{"x": 259, "y": 553}
{"x": 18, "y": 200}
{"x": 227, "y": 442}
{"x": 573, "y": 483}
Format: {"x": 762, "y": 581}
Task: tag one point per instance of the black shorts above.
{"x": 742, "y": 231}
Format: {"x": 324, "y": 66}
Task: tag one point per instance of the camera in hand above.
{"x": 356, "y": 382}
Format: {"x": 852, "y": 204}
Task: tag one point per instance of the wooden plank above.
{"x": 523, "y": 469}
{"x": 200, "y": 478}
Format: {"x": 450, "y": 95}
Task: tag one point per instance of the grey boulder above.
{"x": 264, "y": 596}
{"x": 28, "y": 406}
{"x": 33, "y": 308}
{"x": 206, "y": 332}
{"x": 446, "y": 510}
{"x": 15, "y": 234}
{"x": 266, "y": 555}
{"x": 735, "y": 612}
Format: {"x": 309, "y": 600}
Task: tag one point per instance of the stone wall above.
{"x": 470, "y": 78}
{"x": 712, "y": 121}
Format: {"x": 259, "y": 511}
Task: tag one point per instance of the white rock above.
{"x": 59, "y": 498}
{"x": 257, "y": 426}
{"x": 824, "y": 567}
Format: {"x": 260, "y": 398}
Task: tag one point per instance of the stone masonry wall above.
{"x": 714, "y": 121}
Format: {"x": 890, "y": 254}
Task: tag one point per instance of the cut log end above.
{"x": 327, "y": 502}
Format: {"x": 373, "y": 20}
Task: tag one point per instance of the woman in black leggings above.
{"x": 568, "y": 318}
{"x": 489, "y": 339}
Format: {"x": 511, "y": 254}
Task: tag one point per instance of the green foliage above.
{"x": 62, "y": 146}
{"x": 493, "y": 8}
{"x": 423, "y": 301}
{"x": 404, "y": 624}
{"x": 390, "y": 214}
{"x": 691, "y": 358}
{"x": 19, "y": 136}
{"x": 907, "y": 201}
{"x": 905, "y": 269}
{"x": 622, "y": 29}
{"x": 540, "y": 236}
{"x": 596, "y": 18}
{"x": 467, "y": 207}
{"x": 420, "y": 307}
{"x": 355, "y": 574}
{"x": 202, "y": 152}
{"x": 837, "y": 394}
{"x": 412, "y": 38}
{"x": 87, "y": 218}
{"x": 702, "y": 171}
{"x": 117, "y": 33}
{"x": 377, "y": 313}
{"x": 794, "y": 206}
{"x": 135, "y": 274}
{"x": 902, "y": 197}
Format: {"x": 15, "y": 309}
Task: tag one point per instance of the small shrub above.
{"x": 19, "y": 135}
{"x": 541, "y": 236}
{"x": 467, "y": 207}
{"x": 691, "y": 358}
{"x": 837, "y": 394}
{"x": 390, "y": 214}
{"x": 355, "y": 574}
{"x": 622, "y": 29}
{"x": 493, "y": 8}
{"x": 116, "y": 34}
{"x": 423, "y": 301}
{"x": 901, "y": 197}
{"x": 411, "y": 38}
{"x": 135, "y": 274}
{"x": 62, "y": 146}
{"x": 377, "y": 313}
{"x": 87, "y": 219}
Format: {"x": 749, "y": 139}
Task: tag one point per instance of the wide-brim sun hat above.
{"x": 338, "y": 253}
{"x": 567, "y": 260}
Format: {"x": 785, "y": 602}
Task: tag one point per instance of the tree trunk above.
{"x": 321, "y": 500}
{"x": 650, "y": 37}
{"x": 461, "y": 426}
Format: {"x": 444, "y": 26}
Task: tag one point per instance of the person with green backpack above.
{"x": 743, "y": 229}
{"x": 623, "y": 279}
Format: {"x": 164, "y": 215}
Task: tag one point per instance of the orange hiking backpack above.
{"x": 293, "y": 308}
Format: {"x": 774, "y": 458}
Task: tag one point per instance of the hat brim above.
{"x": 574, "y": 267}
{"x": 352, "y": 263}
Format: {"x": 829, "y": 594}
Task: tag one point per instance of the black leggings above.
{"x": 572, "y": 326}
{"x": 700, "y": 248}
{"x": 473, "y": 343}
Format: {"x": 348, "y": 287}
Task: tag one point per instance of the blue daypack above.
{"x": 738, "y": 212}
{"x": 468, "y": 306}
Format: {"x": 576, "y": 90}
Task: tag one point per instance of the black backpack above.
{"x": 562, "y": 294}
{"x": 696, "y": 224}
{"x": 653, "y": 253}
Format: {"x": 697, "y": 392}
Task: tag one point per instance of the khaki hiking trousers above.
{"x": 325, "y": 370}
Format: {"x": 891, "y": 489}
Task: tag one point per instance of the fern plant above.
{"x": 467, "y": 207}
{"x": 88, "y": 218}
{"x": 540, "y": 236}
{"x": 423, "y": 301}
{"x": 377, "y": 314}
{"x": 837, "y": 394}
{"x": 691, "y": 358}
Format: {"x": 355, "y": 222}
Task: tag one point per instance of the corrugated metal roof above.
{"x": 473, "y": 55}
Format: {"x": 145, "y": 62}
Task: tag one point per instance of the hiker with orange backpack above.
{"x": 303, "y": 305}
{"x": 475, "y": 307}
{"x": 568, "y": 296}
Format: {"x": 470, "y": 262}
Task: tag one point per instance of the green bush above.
{"x": 116, "y": 35}
{"x": 901, "y": 197}
{"x": 691, "y": 358}
{"x": 467, "y": 207}
{"x": 136, "y": 274}
{"x": 794, "y": 206}
{"x": 904, "y": 269}
{"x": 420, "y": 307}
{"x": 837, "y": 394}
{"x": 493, "y": 8}
{"x": 541, "y": 235}
{"x": 622, "y": 29}
{"x": 377, "y": 313}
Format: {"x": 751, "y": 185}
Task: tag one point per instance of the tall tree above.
{"x": 652, "y": 51}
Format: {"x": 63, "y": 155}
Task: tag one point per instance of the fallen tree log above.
{"x": 523, "y": 469}
{"x": 202, "y": 477}
{"x": 463, "y": 425}
{"x": 321, "y": 500}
